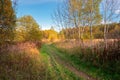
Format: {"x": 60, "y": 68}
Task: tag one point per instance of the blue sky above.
{"x": 41, "y": 10}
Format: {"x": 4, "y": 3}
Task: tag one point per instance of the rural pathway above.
{"x": 53, "y": 53}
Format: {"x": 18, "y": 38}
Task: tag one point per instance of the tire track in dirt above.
{"x": 66, "y": 64}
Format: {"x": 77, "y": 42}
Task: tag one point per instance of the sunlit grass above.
{"x": 56, "y": 71}
{"x": 94, "y": 60}
{"x": 21, "y": 61}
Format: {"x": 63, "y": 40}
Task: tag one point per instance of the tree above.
{"x": 50, "y": 34}
{"x": 79, "y": 13}
{"x": 92, "y": 14}
{"x": 60, "y": 18}
{"x": 110, "y": 13}
{"x": 29, "y": 28}
{"x": 7, "y": 21}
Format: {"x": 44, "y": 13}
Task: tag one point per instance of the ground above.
{"x": 53, "y": 53}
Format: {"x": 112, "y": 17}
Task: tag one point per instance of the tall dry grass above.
{"x": 96, "y": 54}
{"x": 98, "y": 47}
{"x": 106, "y": 61}
{"x": 21, "y": 61}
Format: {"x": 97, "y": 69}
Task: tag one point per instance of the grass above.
{"x": 55, "y": 71}
{"x": 21, "y": 62}
{"x": 107, "y": 71}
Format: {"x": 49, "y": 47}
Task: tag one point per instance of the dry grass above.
{"x": 106, "y": 60}
{"x": 96, "y": 51}
{"x": 21, "y": 61}
{"x": 86, "y": 43}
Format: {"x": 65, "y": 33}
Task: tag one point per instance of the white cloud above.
{"x": 117, "y": 12}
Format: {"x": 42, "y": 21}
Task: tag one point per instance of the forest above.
{"x": 83, "y": 44}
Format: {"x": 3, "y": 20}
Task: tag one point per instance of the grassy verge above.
{"x": 87, "y": 66}
{"x": 56, "y": 71}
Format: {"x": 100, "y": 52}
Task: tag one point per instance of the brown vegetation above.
{"x": 106, "y": 60}
{"x": 21, "y": 61}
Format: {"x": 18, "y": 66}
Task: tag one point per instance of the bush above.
{"x": 21, "y": 62}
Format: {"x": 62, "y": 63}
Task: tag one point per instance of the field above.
{"x": 93, "y": 60}
{"x": 63, "y": 60}
{"x": 80, "y": 42}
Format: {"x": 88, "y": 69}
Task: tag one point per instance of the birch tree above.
{"x": 81, "y": 13}
{"x": 110, "y": 10}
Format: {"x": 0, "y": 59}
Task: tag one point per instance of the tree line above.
{"x": 97, "y": 31}
{"x": 83, "y": 14}
{"x": 76, "y": 19}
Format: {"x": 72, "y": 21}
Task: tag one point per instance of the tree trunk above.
{"x": 105, "y": 27}
{"x": 105, "y": 38}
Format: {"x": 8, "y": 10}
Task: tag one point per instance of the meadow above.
{"x": 96, "y": 60}
{"x": 82, "y": 43}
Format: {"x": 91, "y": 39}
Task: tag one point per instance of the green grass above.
{"x": 56, "y": 71}
{"x": 86, "y": 66}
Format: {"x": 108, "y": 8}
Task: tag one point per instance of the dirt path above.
{"x": 66, "y": 64}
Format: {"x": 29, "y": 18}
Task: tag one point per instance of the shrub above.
{"x": 21, "y": 62}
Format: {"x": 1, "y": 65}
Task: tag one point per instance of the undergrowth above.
{"x": 21, "y": 61}
{"x": 96, "y": 61}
